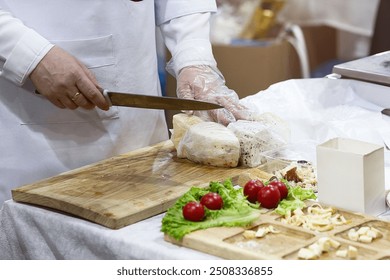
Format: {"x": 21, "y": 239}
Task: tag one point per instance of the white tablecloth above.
{"x": 29, "y": 232}
{"x": 316, "y": 110}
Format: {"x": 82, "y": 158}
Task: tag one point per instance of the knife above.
{"x": 156, "y": 102}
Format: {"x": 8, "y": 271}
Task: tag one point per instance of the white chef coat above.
{"x": 113, "y": 38}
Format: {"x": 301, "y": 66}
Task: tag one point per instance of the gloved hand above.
{"x": 206, "y": 83}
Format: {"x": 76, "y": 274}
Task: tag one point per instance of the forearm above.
{"x": 188, "y": 40}
{"x": 21, "y": 48}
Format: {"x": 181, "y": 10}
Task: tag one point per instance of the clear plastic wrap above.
{"x": 258, "y": 137}
{"x": 211, "y": 144}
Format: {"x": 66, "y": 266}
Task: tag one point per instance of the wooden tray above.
{"x": 229, "y": 243}
{"x": 125, "y": 189}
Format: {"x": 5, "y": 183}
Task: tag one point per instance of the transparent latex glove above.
{"x": 205, "y": 83}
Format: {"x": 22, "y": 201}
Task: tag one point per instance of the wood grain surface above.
{"x": 230, "y": 243}
{"x": 125, "y": 189}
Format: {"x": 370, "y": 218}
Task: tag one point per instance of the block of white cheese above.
{"x": 256, "y": 138}
{"x": 210, "y": 143}
{"x": 180, "y": 124}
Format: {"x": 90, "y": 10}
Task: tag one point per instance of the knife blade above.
{"x": 156, "y": 102}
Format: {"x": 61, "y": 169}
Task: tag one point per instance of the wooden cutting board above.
{"x": 230, "y": 243}
{"x": 125, "y": 189}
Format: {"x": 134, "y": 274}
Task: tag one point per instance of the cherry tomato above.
{"x": 212, "y": 201}
{"x": 193, "y": 211}
{"x": 282, "y": 188}
{"x": 269, "y": 196}
{"x": 252, "y": 188}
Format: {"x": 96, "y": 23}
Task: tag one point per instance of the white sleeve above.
{"x": 188, "y": 40}
{"x": 169, "y": 9}
{"x": 186, "y": 33}
{"x": 21, "y": 48}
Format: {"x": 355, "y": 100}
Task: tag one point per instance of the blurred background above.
{"x": 261, "y": 42}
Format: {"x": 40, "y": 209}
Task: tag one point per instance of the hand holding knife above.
{"x": 153, "y": 102}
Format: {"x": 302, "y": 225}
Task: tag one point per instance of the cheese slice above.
{"x": 210, "y": 143}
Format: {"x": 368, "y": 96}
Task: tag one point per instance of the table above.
{"x": 316, "y": 109}
{"x": 30, "y": 232}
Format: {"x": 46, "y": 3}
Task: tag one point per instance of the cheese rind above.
{"x": 180, "y": 124}
{"x": 211, "y": 144}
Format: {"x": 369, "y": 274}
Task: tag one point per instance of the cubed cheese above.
{"x": 353, "y": 235}
{"x": 352, "y": 252}
{"x": 307, "y": 254}
{"x": 249, "y": 234}
{"x": 342, "y": 253}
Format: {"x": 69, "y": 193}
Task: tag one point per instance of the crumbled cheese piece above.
{"x": 365, "y": 239}
{"x": 364, "y": 234}
{"x": 307, "y": 254}
{"x": 353, "y": 235}
{"x": 327, "y": 243}
{"x": 342, "y": 253}
{"x": 249, "y": 234}
{"x": 273, "y": 230}
{"x": 261, "y": 232}
{"x": 374, "y": 233}
{"x": 363, "y": 230}
{"x": 316, "y": 249}
{"x": 351, "y": 253}
{"x": 335, "y": 244}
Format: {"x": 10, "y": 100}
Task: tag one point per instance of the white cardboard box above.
{"x": 350, "y": 175}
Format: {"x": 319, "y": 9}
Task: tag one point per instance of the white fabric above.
{"x": 355, "y": 16}
{"x": 22, "y": 48}
{"x": 354, "y": 19}
{"x": 319, "y": 109}
{"x": 116, "y": 40}
{"x": 170, "y": 9}
{"x": 316, "y": 109}
{"x": 28, "y": 232}
{"x": 184, "y": 53}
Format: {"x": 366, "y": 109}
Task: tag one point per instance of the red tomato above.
{"x": 282, "y": 188}
{"x": 252, "y": 188}
{"x": 212, "y": 201}
{"x": 193, "y": 211}
{"x": 269, "y": 196}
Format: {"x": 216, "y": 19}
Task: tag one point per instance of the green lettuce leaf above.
{"x": 236, "y": 210}
{"x": 294, "y": 200}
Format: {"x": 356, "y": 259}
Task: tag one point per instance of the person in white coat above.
{"x": 67, "y": 50}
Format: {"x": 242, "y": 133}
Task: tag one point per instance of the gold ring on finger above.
{"x": 75, "y": 96}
